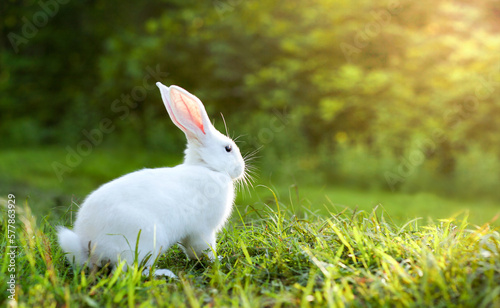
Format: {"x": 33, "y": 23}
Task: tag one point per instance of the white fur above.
{"x": 186, "y": 204}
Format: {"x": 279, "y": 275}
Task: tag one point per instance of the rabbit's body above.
{"x": 110, "y": 218}
{"x": 186, "y": 204}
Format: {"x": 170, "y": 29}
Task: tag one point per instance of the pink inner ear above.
{"x": 187, "y": 108}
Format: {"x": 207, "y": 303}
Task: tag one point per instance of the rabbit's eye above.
{"x": 228, "y": 148}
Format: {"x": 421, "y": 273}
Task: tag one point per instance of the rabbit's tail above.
{"x": 72, "y": 245}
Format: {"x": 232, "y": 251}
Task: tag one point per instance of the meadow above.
{"x": 285, "y": 245}
{"x": 377, "y": 175}
{"x": 351, "y": 259}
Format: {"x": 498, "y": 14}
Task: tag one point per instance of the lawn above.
{"x": 399, "y": 207}
{"x": 286, "y": 245}
{"x": 354, "y": 259}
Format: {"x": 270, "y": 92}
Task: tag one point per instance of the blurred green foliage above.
{"x": 397, "y": 95}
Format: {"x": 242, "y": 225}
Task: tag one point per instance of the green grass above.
{"x": 272, "y": 258}
{"x": 399, "y": 206}
{"x": 307, "y": 246}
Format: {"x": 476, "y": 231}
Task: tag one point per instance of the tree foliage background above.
{"x": 400, "y": 95}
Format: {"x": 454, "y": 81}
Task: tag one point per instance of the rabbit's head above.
{"x": 206, "y": 145}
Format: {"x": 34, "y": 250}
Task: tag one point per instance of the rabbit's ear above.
{"x": 185, "y": 110}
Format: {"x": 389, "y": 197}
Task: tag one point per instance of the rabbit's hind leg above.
{"x": 196, "y": 245}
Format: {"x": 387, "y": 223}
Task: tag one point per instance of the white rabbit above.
{"x": 186, "y": 204}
